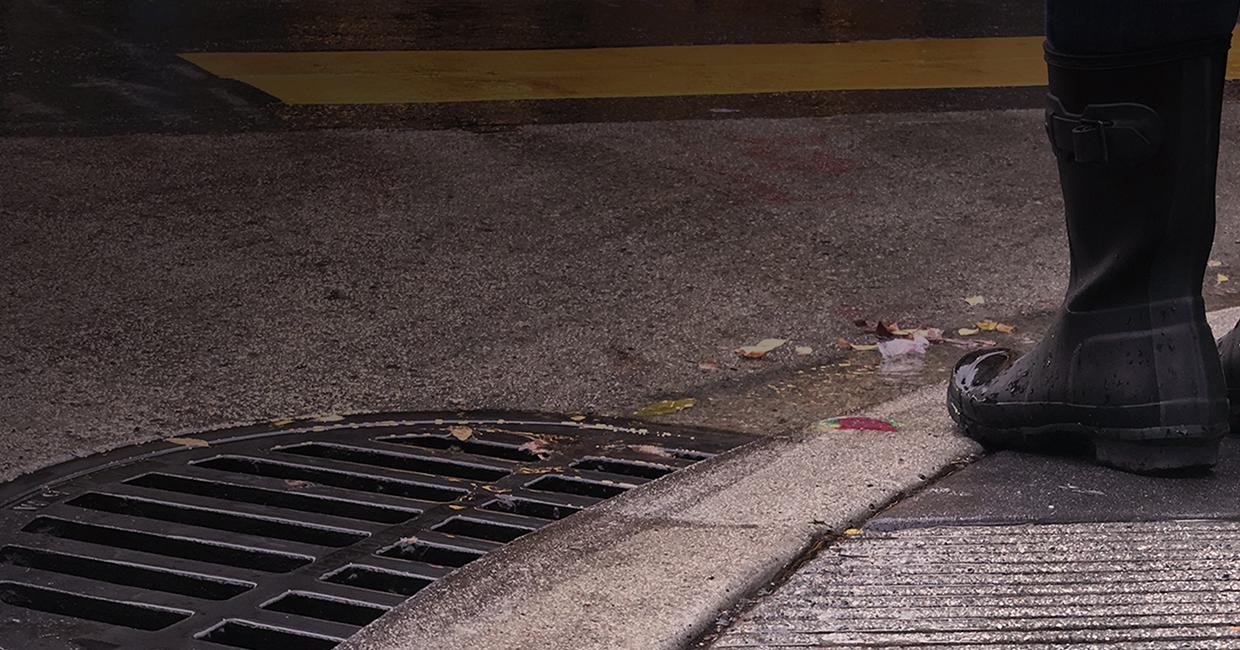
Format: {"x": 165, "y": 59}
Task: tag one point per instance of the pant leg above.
{"x": 1121, "y": 26}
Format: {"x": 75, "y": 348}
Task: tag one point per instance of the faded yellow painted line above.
{"x": 403, "y": 77}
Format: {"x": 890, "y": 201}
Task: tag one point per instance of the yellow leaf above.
{"x": 1222, "y": 278}
{"x": 188, "y": 442}
{"x": 576, "y": 418}
{"x": 987, "y": 325}
{"x": 864, "y": 348}
{"x": 1004, "y": 328}
{"x": 967, "y": 331}
{"x": 282, "y": 422}
{"x": 461, "y": 433}
{"x": 665, "y": 407}
{"x": 853, "y": 532}
{"x": 455, "y": 506}
{"x": 758, "y": 351}
{"x": 975, "y": 300}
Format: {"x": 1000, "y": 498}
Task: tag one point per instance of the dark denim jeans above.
{"x": 1122, "y": 26}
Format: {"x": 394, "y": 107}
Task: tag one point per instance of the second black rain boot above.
{"x": 1229, "y": 354}
{"x": 1130, "y": 367}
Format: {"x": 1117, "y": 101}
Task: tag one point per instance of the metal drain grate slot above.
{"x": 471, "y": 446}
{"x": 420, "y": 551}
{"x": 294, "y": 534}
{"x": 338, "y": 478}
{"x": 396, "y": 460}
{"x": 138, "y": 616}
{"x": 346, "y": 508}
{"x": 623, "y": 467}
{"x": 252, "y": 636}
{"x": 480, "y": 529}
{"x": 326, "y": 608}
{"x": 581, "y": 487}
{"x": 170, "y": 546}
{"x": 125, "y": 573}
{"x": 530, "y": 508}
{"x": 219, "y": 519}
{"x": 376, "y": 579}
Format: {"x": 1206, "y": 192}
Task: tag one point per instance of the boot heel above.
{"x": 1157, "y": 455}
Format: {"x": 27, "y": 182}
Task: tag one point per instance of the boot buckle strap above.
{"x": 1103, "y": 133}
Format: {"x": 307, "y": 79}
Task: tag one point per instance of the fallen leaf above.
{"x": 852, "y": 532}
{"x": 885, "y": 330}
{"x": 188, "y": 442}
{"x": 408, "y": 541}
{"x": 804, "y": 350}
{"x": 455, "y": 506}
{"x": 536, "y": 447}
{"x": 665, "y": 407}
{"x": 329, "y": 417}
{"x": 496, "y": 490}
{"x": 538, "y": 470}
{"x": 1221, "y": 278}
{"x": 864, "y": 348}
{"x": 987, "y": 325}
{"x": 1214, "y": 264}
{"x": 1005, "y": 328}
{"x": 854, "y": 424}
{"x": 461, "y": 432}
{"x": 930, "y": 333}
{"x": 298, "y": 484}
{"x": 901, "y": 332}
{"x": 652, "y": 450}
{"x": 761, "y": 349}
{"x": 282, "y": 422}
{"x": 975, "y": 300}
{"x": 967, "y": 331}
{"x": 576, "y": 418}
{"x": 708, "y": 365}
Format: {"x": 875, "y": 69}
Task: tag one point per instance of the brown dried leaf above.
{"x": 461, "y": 432}
{"x": 188, "y": 442}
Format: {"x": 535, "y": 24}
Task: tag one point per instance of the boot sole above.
{"x": 1142, "y": 450}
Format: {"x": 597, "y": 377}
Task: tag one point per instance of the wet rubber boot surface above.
{"x": 1129, "y": 369}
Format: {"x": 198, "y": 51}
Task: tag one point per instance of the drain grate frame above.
{"x": 298, "y": 532}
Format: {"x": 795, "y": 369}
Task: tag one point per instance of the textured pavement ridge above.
{"x": 992, "y": 586}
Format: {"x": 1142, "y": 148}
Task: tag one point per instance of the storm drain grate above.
{"x": 295, "y": 535}
{"x": 1166, "y": 584}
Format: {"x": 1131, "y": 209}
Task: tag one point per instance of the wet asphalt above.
{"x": 180, "y": 252}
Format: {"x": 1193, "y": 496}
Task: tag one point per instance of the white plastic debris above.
{"x": 903, "y": 347}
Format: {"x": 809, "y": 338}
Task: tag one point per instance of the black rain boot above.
{"x": 1130, "y": 365}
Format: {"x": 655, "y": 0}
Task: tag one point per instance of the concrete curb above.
{"x": 652, "y": 569}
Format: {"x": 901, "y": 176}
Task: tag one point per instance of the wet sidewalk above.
{"x": 1023, "y": 550}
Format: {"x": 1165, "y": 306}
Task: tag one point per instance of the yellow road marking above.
{"x": 404, "y": 77}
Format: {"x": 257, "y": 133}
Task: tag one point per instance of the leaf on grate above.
{"x": 538, "y": 470}
{"x": 461, "y": 432}
{"x": 496, "y": 490}
{"x": 537, "y": 447}
{"x": 652, "y": 450}
{"x": 455, "y": 506}
{"x": 188, "y": 442}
